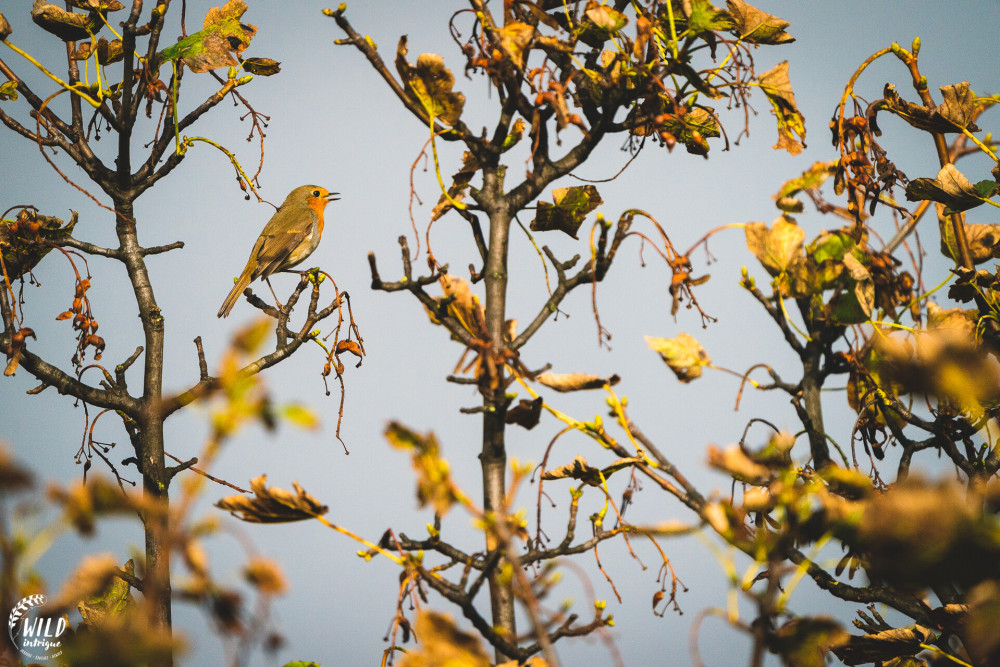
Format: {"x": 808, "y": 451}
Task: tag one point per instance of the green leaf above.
{"x": 831, "y": 245}
{"x": 854, "y": 305}
{"x": 706, "y": 17}
{"x": 211, "y": 48}
{"x": 569, "y": 208}
{"x": 8, "y": 90}
{"x": 985, "y": 189}
{"x": 300, "y": 416}
{"x": 110, "y": 606}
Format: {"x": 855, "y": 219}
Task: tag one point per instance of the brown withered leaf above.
{"x": 947, "y": 117}
{"x": 12, "y": 476}
{"x": 442, "y": 643}
{"x": 569, "y": 209}
{"x": 266, "y": 576}
{"x": 97, "y": 5}
{"x": 430, "y": 83}
{"x": 791, "y": 123}
{"x": 950, "y": 188}
{"x": 82, "y": 503}
{"x": 434, "y": 484}
{"x": 459, "y": 184}
{"x": 581, "y": 470}
{"x": 576, "y": 381}
{"x": 5, "y": 29}
{"x": 262, "y": 66}
{"x": 273, "y": 505}
{"x": 756, "y": 26}
{"x": 526, "y": 413}
{"x": 684, "y": 355}
{"x": 960, "y": 104}
{"x": 67, "y": 26}
{"x": 461, "y": 304}
{"x": 779, "y": 248}
{"x": 107, "y": 52}
{"x": 734, "y": 461}
{"x": 883, "y": 646}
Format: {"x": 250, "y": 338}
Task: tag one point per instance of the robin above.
{"x": 291, "y": 235}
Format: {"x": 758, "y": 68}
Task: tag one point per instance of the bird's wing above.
{"x": 272, "y": 250}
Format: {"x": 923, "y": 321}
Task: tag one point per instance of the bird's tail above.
{"x": 238, "y": 288}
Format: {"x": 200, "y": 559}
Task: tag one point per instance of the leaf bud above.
{"x": 243, "y": 80}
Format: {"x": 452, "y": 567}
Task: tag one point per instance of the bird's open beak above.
{"x": 332, "y": 196}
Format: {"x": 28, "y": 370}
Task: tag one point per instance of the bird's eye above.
{"x": 315, "y": 193}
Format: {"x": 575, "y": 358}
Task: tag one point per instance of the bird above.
{"x": 288, "y": 238}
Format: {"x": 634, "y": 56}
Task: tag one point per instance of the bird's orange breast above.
{"x": 318, "y": 204}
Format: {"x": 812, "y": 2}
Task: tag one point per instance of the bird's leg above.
{"x": 268, "y": 281}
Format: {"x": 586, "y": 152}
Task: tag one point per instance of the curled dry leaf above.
{"x": 26, "y": 240}
{"x": 460, "y": 183}
{"x": 461, "y": 304}
{"x": 791, "y": 123}
{"x": 565, "y": 382}
{"x": 526, "y": 413}
{"x": 684, "y": 355}
{"x": 887, "y": 645}
{"x": 262, "y": 66}
{"x": 756, "y": 26}
{"x": 67, "y": 26}
{"x": 955, "y": 113}
{"x": 273, "y": 505}
{"x": 5, "y": 29}
{"x": 430, "y": 83}
{"x": 811, "y": 179}
{"x": 983, "y": 240}
{"x": 588, "y": 474}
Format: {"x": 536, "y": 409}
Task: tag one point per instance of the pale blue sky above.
{"x": 334, "y": 123}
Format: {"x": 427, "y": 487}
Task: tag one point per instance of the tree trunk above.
{"x": 493, "y": 457}
{"x": 155, "y": 476}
